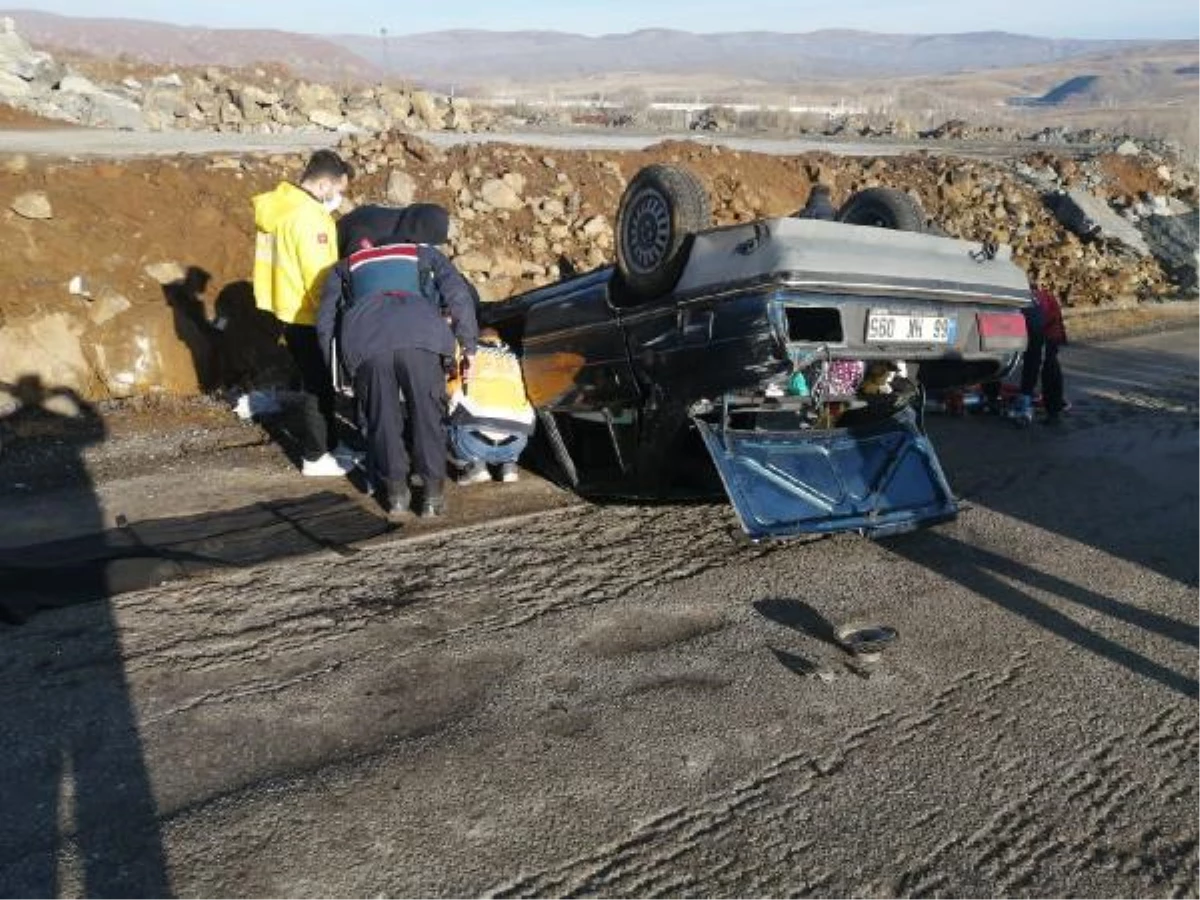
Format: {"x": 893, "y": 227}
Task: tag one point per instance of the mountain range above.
{"x": 473, "y": 59}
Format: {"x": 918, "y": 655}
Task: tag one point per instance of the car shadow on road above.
{"x": 1011, "y": 585}
{"x": 77, "y": 811}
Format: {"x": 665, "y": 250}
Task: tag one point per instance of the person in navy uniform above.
{"x": 399, "y": 311}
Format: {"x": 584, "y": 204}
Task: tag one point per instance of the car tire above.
{"x": 883, "y": 207}
{"x": 661, "y": 210}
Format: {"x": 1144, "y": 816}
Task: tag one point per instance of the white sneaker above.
{"x": 509, "y": 473}
{"x": 328, "y": 466}
{"x": 474, "y": 474}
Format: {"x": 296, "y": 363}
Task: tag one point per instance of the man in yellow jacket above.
{"x": 296, "y": 246}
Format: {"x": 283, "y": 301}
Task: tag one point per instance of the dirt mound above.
{"x": 137, "y": 281}
{"x": 12, "y": 117}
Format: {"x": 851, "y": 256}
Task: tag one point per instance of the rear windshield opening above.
{"x": 815, "y": 324}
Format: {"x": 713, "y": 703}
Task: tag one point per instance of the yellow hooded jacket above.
{"x": 295, "y": 247}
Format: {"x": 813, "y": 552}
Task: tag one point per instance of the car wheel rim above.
{"x": 648, "y": 233}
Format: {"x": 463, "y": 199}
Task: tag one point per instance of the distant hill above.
{"x": 763, "y": 56}
{"x": 1138, "y": 80}
{"x": 473, "y": 59}
{"x": 175, "y": 45}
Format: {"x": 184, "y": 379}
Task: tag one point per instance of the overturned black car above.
{"x": 795, "y": 352}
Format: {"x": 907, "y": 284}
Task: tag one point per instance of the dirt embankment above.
{"x": 131, "y": 278}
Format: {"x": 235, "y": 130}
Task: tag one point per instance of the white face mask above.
{"x": 332, "y": 203}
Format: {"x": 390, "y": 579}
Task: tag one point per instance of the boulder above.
{"x": 1128, "y": 148}
{"x": 1090, "y": 217}
{"x": 14, "y": 50}
{"x": 594, "y": 227}
{"x": 167, "y": 81}
{"x": 13, "y": 87}
{"x": 396, "y": 106}
{"x": 499, "y": 194}
{"x": 368, "y": 119}
{"x": 1174, "y": 239}
{"x": 473, "y": 262}
{"x": 40, "y": 70}
{"x": 307, "y": 98}
{"x": 165, "y": 102}
{"x": 426, "y": 110}
{"x": 401, "y": 188}
{"x": 108, "y": 306}
{"x": 32, "y": 205}
{"x": 155, "y": 350}
{"x": 77, "y": 84}
{"x": 101, "y": 110}
{"x": 166, "y": 272}
{"x": 326, "y": 118}
{"x": 46, "y": 346}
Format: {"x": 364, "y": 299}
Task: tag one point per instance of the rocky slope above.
{"x": 130, "y": 278}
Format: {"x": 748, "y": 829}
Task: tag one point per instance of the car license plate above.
{"x": 902, "y": 328}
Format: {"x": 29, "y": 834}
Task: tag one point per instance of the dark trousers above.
{"x": 1041, "y": 359}
{"x": 379, "y": 383}
{"x": 320, "y": 424}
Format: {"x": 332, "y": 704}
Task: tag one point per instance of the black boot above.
{"x": 434, "y": 501}
{"x": 397, "y": 500}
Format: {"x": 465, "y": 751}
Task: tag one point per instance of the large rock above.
{"x": 425, "y": 109}
{"x": 48, "y": 347}
{"x": 1174, "y": 241}
{"x": 32, "y": 205}
{"x": 101, "y": 110}
{"x": 308, "y": 98}
{"x": 1090, "y": 217}
{"x": 396, "y": 106}
{"x": 77, "y": 84}
{"x": 327, "y": 118}
{"x": 14, "y": 49}
{"x": 13, "y": 87}
{"x": 167, "y": 102}
{"x": 499, "y": 194}
{"x": 370, "y": 120}
{"x": 401, "y": 188}
{"x": 156, "y": 349}
{"x": 40, "y": 70}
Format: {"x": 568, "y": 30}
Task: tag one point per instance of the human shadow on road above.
{"x": 991, "y": 577}
{"x": 77, "y": 812}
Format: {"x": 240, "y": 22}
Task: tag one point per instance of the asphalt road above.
{"x": 624, "y": 701}
{"x": 96, "y": 142}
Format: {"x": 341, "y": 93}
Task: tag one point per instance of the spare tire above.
{"x": 883, "y": 207}
{"x": 661, "y": 210}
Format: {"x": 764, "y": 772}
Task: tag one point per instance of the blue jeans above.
{"x": 469, "y": 446}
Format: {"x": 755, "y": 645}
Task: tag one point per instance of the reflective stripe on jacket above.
{"x": 495, "y": 393}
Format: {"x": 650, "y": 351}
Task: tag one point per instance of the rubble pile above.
{"x": 520, "y": 219}
{"x": 131, "y": 278}
{"x": 215, "y": 99}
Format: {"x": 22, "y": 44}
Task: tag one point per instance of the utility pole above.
{"x": 387, "y": 63}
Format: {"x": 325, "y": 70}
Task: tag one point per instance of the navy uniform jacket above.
{"x": 395, "y": 297}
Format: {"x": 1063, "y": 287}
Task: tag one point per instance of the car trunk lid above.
{"x": 878, "y": 480}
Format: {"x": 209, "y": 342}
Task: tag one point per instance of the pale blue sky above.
{"x": 1048, "y": 18}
